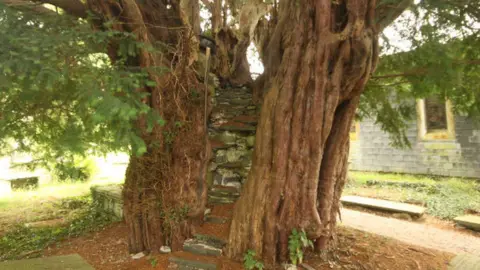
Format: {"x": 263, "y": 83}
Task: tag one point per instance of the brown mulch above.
{"x": 107, "y": 249}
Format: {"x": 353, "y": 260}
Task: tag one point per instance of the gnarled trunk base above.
{"x": 320, "y": 57}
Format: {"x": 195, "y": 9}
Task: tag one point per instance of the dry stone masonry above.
{"x": 232, "y": 128}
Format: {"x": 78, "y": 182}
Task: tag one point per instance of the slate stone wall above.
{"x": 459, "y": 157}
{"x": 232, "y": 127}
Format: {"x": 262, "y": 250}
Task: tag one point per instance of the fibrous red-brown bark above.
{"x": 319, "y": 58}
{"x": 165, "y": 190}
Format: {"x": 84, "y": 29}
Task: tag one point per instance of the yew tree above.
{"x": 80, "y": 77}
{"x": 322, "y": 60}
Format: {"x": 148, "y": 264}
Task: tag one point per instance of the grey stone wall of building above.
{"x": 459, "y": 157}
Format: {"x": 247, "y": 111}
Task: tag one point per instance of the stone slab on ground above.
{"x": 211, "y": 240}
{"x": 464, "y": 261}
{"x": 201, "y": 247}
{"x": 384, "y": 205}
{"x": 190, "y": 264}
{"x": 66, "y": 262}
{"x": 469, "y": 221}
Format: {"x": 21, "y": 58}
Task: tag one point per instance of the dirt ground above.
{"x": 107, "y": 249}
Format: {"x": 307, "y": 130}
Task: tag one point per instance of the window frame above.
{"x": 444, "y": 134}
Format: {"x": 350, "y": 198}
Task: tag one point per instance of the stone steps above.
{"x": 469, "y": 221}
{"x": 201, "y": 247}
{"x": 187, "y": 261}
{"x": 232, "y": 129}
{"x": 215, "y": 219}
{"x": 198, "y": 253}
{"x": 383, "y": 205}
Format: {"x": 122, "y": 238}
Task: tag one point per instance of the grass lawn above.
{"x": 43, "y": 203}
{"x": 444, "y": 198}
{"x": 30, "y": 220}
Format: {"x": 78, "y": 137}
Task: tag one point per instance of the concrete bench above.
{"x": 469, "y": 221}
{"x": 389, "y": 206}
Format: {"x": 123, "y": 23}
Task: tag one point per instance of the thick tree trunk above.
{"x": 319, "y": 58}
{"x": 165, "y": 190}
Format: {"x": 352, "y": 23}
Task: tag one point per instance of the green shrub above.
{"x": 75, "y": 169}
{"x": 249, "y": 261}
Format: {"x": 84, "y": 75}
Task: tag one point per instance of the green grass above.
{"x": 23, "y": 242}
{"x": 25, "y": 206}
{"x": 444, "y": 198}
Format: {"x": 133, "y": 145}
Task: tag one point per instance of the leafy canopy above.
{"x": 59, "y": 93}
{"x": 431, "y": 50}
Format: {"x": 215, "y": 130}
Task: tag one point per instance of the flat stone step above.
{"x": 201, "y": 247}
{"x": 220, "y": 200}
{"x": 469, "y": 221}
{"x": 211, "y": 240}
{"x": 236, "y": 126}
{"x": 464, "y": 261}
{"x": 395, "y": 207}
{"x": 183, "y": 262}
{"x": 48, "y": 263}
{"x": 224, "y": 191}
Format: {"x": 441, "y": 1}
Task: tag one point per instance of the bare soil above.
{"x": 107, "y": 249}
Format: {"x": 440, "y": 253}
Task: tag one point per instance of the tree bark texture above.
{"x": 319, "y": 59}
{"x": 165, "y": 189}
{"x": 231, "y": 63}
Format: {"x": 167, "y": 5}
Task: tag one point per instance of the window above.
{"x": 435, "y": 119}
{"x": 354, "y": 130}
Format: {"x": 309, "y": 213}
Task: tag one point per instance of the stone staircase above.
{"x": 232, "y": 128}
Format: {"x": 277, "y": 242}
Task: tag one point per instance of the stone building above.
{"x": 442, "y": 144}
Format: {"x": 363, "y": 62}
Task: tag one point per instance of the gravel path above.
{"x": 413, "y": 233}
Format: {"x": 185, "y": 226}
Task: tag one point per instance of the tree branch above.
{"x": 424, "y": 71}
{"x": 387, "y": 13}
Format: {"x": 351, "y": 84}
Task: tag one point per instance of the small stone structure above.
{"x": 232, "y": 128}
{"x": 109, "y": 198}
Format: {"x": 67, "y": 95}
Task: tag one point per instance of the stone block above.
{"x": 201, "y": 247}
{"x": 190, "y": 264}
{"x": 384, "y": 205}
{"x": 48, "y": 263}
{"x": 469, "y": 221}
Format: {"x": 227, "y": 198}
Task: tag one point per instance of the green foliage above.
{"x": 24, "y": 240}
{"x": 432, "y": 50}
{"x": 75, "y": 168}
{"x": 297, "y": 243}
{"x": 59, "y": 92}
{"x": 249, "y": 261}
{"x": 153, "y": 262}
